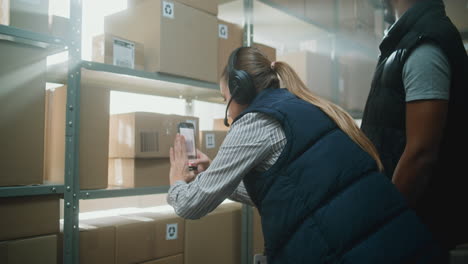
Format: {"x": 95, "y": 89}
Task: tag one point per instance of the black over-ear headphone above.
{"x": 240, "y": 84}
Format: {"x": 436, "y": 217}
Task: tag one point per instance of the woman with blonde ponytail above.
{"x": 301, "y": 160}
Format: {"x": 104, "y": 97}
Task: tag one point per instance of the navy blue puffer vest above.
{"x": 324, "y": 200}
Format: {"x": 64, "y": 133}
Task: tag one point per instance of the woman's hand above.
{"x": 202, "y": 162}
{"x": 179, "y": 162}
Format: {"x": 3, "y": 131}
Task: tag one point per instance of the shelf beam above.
{"x": 95, "y": 66}
{"x": 34, "y": 190}
{"x": 31, "y": 38}
{"x": 122, "y": 192}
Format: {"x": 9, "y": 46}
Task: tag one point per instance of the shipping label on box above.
{"x": 212, "y": 141}
{"x": 124, "y": 53}
{"x": 111, "y": 49}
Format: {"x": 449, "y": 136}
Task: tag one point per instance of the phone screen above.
{"x": 189, "y": 135}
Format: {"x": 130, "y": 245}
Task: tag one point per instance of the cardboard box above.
{"x": 169, "y": 232}
{"x": 55, "y": 118}
{"x": 457, "y": 11}
{"x": 268, "y": 51}
{"x": 207, "y": 6}
{"x": 174, "y": 44}
{"x": 134, "y": 239}
{"x": 258, "y": 242}
{"x": 97, "y": 244}
{"x": 4, "y": 12}
{"x": 59, "y": 26}
{"x": 230, "y": 37}
{"x": 314, "y": 69}
{"x": 178, "y": 259}
{"x": 134, "y": 173}
{"x": 30, "y": 15}
{"x": 22, "y": 101}
{"x": 144, "y": 135}
{"x": 321, "y": 11}
{"x": 215, "y": 238}
{"x": 117, "y": 51}
{"x": 355, "y": 82}
{"x": 37, "y": 250}
{"x": 94, "y": 136}
{"x": 218, "y": 124}
{"x": 211, "y": 141}
{"x": 29, "y": 216}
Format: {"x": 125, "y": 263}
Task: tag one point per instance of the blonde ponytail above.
{"x": 344, "y": 121}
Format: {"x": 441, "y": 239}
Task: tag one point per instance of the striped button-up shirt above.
{"x": 254, "y": 142}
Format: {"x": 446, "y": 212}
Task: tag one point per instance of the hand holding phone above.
{"x": 188, "y": 131}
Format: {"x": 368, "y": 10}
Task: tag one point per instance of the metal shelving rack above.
{"x": 72, "y": 194}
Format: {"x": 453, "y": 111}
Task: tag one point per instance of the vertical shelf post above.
{"x": 72, "y": 181}
{"x": 248, "y": 23}
{"x": 247, "y": 215}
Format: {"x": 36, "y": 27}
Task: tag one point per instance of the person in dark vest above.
{"x": 305, "y": 165}
{"x": 415, "y": 111}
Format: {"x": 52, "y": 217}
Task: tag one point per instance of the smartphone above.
{"x": 188, "y": 131}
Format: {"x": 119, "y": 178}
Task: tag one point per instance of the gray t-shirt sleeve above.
{"x": 427, "y": 74}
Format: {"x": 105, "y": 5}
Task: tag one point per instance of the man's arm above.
{"x": 425, "y": 123}
{"x": 426, "y": 76}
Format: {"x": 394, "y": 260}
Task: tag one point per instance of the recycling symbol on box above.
{"x": 171, "y": 231}
{"x": 168, "y": 9}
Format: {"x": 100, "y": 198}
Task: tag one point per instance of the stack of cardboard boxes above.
{"x": 157, "y": 236}
{"x": 131, "y": 238}
{"x": 139, "y": 148}
{"x": 22, "y": 101}
{"x": 94, "y": 136}
{"x": 172, "y": 43}
{"x": 28, "y": 230}
{"x": 160, "y": 36}
{"x": 28, "y": 225}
